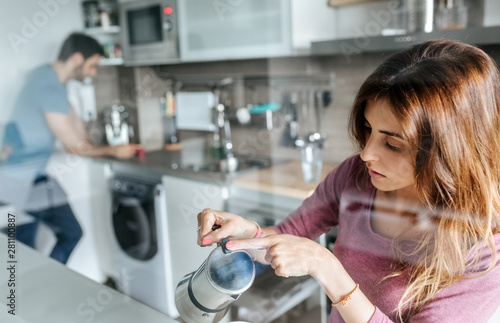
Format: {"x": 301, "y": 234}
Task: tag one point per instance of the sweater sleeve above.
{"x": 320, "y": 212}
{"x": 469, "y": 300}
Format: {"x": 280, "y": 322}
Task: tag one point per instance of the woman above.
{"x": 416, "y": 210}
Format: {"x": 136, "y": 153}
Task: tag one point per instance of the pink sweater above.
{"x": 367, "y": 258}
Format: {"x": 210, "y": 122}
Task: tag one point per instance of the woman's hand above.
{"x": 232, "y": 226}
{"x": 289, "y": 255}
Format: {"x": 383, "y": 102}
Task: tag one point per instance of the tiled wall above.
{"x": 141, "y": 87}
{"x": 149, "y": 84}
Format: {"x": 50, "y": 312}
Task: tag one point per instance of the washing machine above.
{"x": 141, "y": 249}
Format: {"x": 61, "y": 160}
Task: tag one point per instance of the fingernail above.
{"x": 229, "y": 245}
{"x": 207, "y": 241}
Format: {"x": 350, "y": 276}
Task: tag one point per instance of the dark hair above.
{"x": 79, "y": 43}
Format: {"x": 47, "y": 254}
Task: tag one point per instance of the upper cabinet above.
{"x": 234, "y": 29}
{"x": 192, "y": 30}
{"x": 221, "y": 29}
{"x": 397, "y": 24}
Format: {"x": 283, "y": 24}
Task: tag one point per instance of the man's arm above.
{"x": 69, "y": 129}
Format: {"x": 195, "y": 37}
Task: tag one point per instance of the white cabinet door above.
{"x": 234, "y": 29}
{"x": 185, "y": 199}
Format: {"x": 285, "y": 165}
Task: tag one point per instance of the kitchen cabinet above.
{"x": 350, "y": 46}
{"x": 223, "y": 29}
{"x": 85, "y": 185}
{"x": 185, "y": 198}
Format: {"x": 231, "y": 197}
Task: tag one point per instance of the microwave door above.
{"x": 150, "y": 34}
{"x": 145, "y": 26}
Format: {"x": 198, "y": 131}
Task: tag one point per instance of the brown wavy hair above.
{"x": 446, "y": 96}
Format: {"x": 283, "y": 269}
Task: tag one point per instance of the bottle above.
{"x": 172, "y": 139}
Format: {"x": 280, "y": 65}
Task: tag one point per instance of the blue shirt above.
{"x": 27, "y": 132}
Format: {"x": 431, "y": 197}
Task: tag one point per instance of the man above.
{"x": 41, "y": 115}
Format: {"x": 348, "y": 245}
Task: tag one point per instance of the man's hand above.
{"x": 125, "y": 151}
{"x": 69, "y": 129}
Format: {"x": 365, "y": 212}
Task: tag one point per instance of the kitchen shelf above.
{"x": 349, "y": 46}
{"x": 337, "y": 3}
{"x": 111, "y": 61}
{"x": 103, "y": 31}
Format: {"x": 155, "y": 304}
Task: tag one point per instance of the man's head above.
{"x": 81, "y": 53}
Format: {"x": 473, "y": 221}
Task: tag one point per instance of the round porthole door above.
{"x": 133, "y": 228}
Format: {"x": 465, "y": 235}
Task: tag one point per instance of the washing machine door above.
{"x": 132, "y": 228}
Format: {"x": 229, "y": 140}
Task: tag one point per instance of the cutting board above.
{"x": 282, "y": 179}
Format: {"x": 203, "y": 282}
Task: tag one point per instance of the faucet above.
{"x": 228, "y": 162}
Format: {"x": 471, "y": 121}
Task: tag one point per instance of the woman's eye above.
{"x": 391, "y": 147}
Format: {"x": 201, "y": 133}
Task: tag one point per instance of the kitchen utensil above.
{"x": 205, "y": 295}
{"x": 267, "y": 109}
{"x": 291, "y": 132}
{"x": 318, "y": 136}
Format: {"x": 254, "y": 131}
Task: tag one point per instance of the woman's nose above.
{"x": 369, "y": 152}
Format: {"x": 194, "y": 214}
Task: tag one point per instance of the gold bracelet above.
{"x": 346, "y": 298}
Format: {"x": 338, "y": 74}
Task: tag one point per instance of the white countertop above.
{"x": 48, "y": 292}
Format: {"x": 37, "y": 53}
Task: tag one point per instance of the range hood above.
{"x": 476, "y": 35}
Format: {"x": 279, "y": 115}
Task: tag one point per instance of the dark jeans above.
{"x": 62, "y": 222}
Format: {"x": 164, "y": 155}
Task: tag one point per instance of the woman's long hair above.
{"x": 446, "y": 96}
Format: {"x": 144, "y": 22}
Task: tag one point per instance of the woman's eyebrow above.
{"x": 392, "y": 134}
{"x": 389, "y": 133}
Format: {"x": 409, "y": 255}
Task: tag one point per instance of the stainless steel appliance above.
{"x": 149, "y": 32}
{"x": 205, "y": 295}
{"x": 116, "y": 126}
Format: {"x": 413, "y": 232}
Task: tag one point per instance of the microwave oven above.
{"x": 149, "y": 32}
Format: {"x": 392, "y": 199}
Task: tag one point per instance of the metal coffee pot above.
{"x": 205, "y": 295}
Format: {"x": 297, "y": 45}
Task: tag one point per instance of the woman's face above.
{"x": 386, "y": 153}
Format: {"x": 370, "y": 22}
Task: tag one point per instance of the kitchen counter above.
{"x": 186, "y": 163}
{"x": 47, "y": 292}
{"x": 283, "y": 179}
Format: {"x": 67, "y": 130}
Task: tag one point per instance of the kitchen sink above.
{"x": 236, "y": 165}
{"x": 232, "y": 165}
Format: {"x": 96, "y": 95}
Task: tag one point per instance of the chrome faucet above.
{"x": 222, "y": 126}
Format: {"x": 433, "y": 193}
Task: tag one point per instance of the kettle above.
{"x": 205, "y": 295}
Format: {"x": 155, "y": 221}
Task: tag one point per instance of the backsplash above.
{"x": 141, "y": 88}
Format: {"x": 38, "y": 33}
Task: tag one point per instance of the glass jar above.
{"x": 452, "y": 15}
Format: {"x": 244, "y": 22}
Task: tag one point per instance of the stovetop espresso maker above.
{"x": 205, "y": 295}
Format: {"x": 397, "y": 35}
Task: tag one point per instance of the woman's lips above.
{"x": 374, "y": 174}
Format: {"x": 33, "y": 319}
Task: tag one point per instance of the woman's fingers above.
{"x": 258, "y": 243}
{"x": 288, "y": 255}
